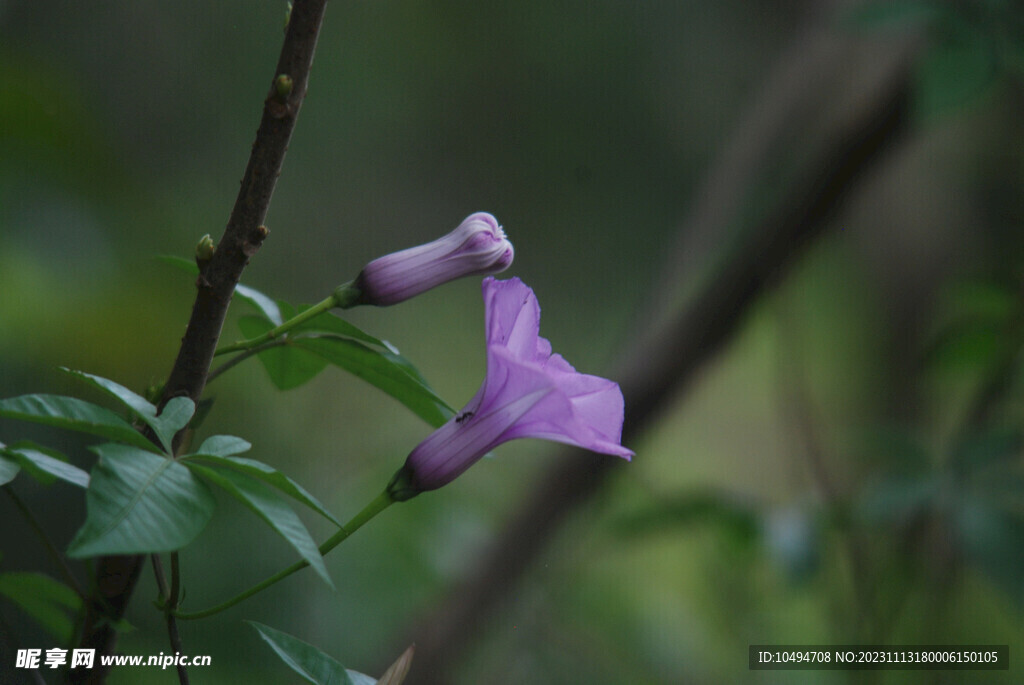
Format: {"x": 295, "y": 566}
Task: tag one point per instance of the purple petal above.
{"x": 528, "y": 392}
{"x": 589, "y": 415}
{"x": 588, "y": 410}
{"x": 513, "y": 317}
{"x": 507, "y": 395}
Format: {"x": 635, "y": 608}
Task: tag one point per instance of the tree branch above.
{"x": 116, "y": 576}
{"x": 868, "y": 119}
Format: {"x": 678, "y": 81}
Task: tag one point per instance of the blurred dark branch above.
{"x": 997, "y": 382}
{"x": 854, "y": 109}
{"x": 116, "y": 576}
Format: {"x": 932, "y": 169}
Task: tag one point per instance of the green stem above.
{"x": 382, "y": 502}
{"x": 239, "y": 358}
{"x": 170, "y": 601}
{"x": 316, "y": 310}
{"x": 175, "y": 590}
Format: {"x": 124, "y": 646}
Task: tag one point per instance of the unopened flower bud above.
{"x": 283, "y": 85}
{"x": 154, "y": 392}
{"x": 204, "y": 251}
{"x": 478, "y": 246}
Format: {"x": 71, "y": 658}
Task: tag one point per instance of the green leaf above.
{"x": 328, "y": 322}
{"x": 176, "y": 414}
{"x": 978, "y": 301}
{"x": 35, "y": 460}
{"x": 952, "y": 73}
{"x": 734, "y": 516}
{"x": 73, "y": 414}
{"x": 39, "y": 475}
{"x": 381, "y": 369}
{"x": 223, "y": 446}
{"x": 303, "y": 658}
{"x": 897, "y": 499}
{"x": 138, "y": 502}
{"x": 994, "y": 541}
{"x": 330, "y": 339}
{"x": 980, "y": 450}
{"x": 1011, "y": 54}
{"x": 261, "y": 302}
{"x": 288, "y": 366}
{"x": 270, "y": 507}
{"x": 896, "y": 451}
{"x": 9, "y": 468}
{"x": 1003, "y": 488}
{"x": 136, "y": 404}
{"x": 966, "y": 346}
{"x": 49, "y": 602}
{"x": 893, "y": 13}
{"x": 187, "y": 265}
{"x": 360, "y": 678}
{"x": 267, "y": 474}
{"x": 174, "y": 417}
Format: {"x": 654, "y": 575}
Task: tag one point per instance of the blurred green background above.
{"x": 586, "y": 128}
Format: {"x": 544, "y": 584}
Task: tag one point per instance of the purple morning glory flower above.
{"x": 477, "y": 246}
{"x": 528, "y": 393}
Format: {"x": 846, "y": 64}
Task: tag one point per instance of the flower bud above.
{"x": 283, "y": 85}
{"x": 478, "y": 246}
{"x": 204, "y": 251}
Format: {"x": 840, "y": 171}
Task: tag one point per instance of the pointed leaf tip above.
{"x": 270, "y": 507}
{"x": 396, "y": 674}
{"x": 313, "y": 665}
